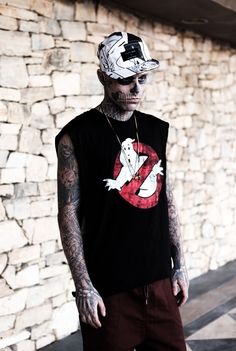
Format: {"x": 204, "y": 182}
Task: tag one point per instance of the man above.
{"x": 118, "y": 222}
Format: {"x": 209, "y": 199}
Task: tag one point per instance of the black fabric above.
{"x": 125, "y": 246}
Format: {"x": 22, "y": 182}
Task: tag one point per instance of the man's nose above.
{"x": 135, "y": 88}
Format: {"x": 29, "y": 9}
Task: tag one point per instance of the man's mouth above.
{"x": 132, "y": 100}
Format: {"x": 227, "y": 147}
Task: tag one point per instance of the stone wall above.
{"x": 47, "y": 76}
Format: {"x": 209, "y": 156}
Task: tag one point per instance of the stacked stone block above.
{"x": 48, "y": 76}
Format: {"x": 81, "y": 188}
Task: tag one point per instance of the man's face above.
{"x": 125, "y": 93}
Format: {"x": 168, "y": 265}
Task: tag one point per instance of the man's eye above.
{"x": 125, "y": 81}
{"x": 129, "y": 80}
{"x": 142, "y": 79}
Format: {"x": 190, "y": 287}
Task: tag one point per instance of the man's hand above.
{"x": 112, "y": 184}
{"x": 89, "y": 303}
{"x": 180, "y": 285}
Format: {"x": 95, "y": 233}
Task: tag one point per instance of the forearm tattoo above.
{"x": 68, "y": 206}
{"x": 179, "y": 269}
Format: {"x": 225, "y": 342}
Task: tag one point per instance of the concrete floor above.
{"x": 209, "y": 317}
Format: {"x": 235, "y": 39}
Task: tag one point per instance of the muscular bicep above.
{"x": 67, "y": 175}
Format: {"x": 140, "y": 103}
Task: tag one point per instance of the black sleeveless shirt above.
{"x": 124, "y": 219}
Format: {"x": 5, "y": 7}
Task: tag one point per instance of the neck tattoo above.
{"x": 132, "y": 168}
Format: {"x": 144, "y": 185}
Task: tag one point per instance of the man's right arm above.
{"x": 87, "y": 298}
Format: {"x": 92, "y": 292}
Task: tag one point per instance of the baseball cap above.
{"x": 124, "y": 54}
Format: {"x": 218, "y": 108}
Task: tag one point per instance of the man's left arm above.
{"x": 180, "y": 282}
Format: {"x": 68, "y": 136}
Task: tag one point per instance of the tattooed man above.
{"x": 118, "y": 221}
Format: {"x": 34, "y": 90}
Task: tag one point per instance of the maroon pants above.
{"x": 143, "y": 319}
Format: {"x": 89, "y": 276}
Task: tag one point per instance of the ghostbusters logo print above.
{"x": 141, "y": 191}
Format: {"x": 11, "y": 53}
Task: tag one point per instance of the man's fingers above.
{"x": 175, "y": 287}
{"x": 93, "y": 314}
{"x": 185, "y": 295}
{"x": 83, "y": 318}
{"x": 184, "y": 291}
{"x": 185, "y": 298}
{"x": 102, "y": 308}
{"x": 90, "y": 318}
{"x": 95, "y": 318}
{"x": 99, "y": 306}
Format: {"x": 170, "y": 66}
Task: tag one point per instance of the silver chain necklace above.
{"x": 134, "y": 174}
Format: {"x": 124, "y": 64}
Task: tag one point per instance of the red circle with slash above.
{"x": 130, "y": 191}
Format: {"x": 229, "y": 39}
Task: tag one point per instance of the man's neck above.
{"x": 111, "y": 110}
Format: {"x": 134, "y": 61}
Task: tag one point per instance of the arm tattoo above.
{"x": 68, "y": 206}
{"x": 175, "y": 234}
{"x": 87, "y": 297}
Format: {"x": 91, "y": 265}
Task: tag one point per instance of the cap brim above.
{"x": 136, "y": 69}
{"x": 149, "y": 65}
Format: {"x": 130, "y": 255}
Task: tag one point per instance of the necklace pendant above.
{"x": 137, "y": 177}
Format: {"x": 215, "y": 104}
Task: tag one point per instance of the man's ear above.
{"x": 101, "y": 76}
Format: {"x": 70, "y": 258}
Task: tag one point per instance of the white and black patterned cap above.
{"x": 123, "y": 54}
